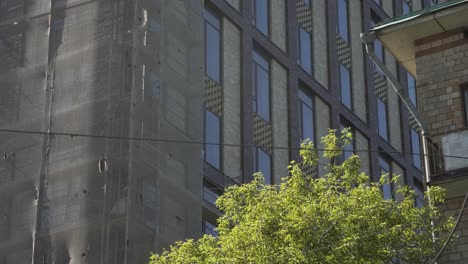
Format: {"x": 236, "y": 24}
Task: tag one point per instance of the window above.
{"x": 212, "y": 147}
{"x": 345, "y": 87}
{"x": 305, "y": 50}
{"x": 307, "y": 2}
{"x": 411, "y": 84}
{"x": 343, "y": 19}
{"x": 465, "y": 104}
{"x": 377, "y": 2}
{"x": 261, "y": 86}
{"x": 416, "y": 148}
{"x": 260, "y": 15}
{"x": 382, "y": 118}
{"x": 306, "y": 114}
{"x": 348, "y": 150}
{"x": 418, "y": 191}
{"x": 209, "y": 229}
{"x": 405, "y": 7}
{"x": 212, "y": 46}
{"x": 378, "y": 47}
{"x": 209, "y": 194}
{"x": 384, "y": 169}
{"x": 263, "y": 164}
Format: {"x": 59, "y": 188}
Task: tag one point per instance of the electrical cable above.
{"x": 73, "y": 135}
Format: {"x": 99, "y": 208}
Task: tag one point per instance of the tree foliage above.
{"x": 340, "y": 217}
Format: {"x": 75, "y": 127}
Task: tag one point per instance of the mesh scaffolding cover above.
{"x": 112, "y": 69}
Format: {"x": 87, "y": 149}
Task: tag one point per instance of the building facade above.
{"x": 433, "y": 45}
{"x": 134, "y": 87}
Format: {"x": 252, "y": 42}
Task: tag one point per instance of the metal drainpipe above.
{"x": 368, "y": 40}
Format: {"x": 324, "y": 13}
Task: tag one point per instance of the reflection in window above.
{"x": 263, "y": 164}
{"x": 345, "y": 86}
{"x": 212, "y": 147}
{"x": 260, "y": 15}
{"x": 305, "y": 50}
{"x": 212, "y": 46}
{"x": 387, "y": 187}
{"x": 382, "y": 118}
{"x": 261, "y": 86}
{"x": 343, "y": 19}
{"x": 306, "y": 116}
{"x": 416, "y": 148}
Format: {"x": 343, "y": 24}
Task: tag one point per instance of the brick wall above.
{"x": 442, "y": 66}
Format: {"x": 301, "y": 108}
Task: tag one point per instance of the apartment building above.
{"x": 432, "y": 45}
{"x": 132, "y": 88}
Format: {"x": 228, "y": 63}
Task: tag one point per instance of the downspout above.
{"x": 368, "y": 40}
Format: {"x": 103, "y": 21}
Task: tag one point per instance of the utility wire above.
{"x": 73, "y": 135}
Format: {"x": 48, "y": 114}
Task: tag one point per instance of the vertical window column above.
{"x": 416, "y": 148}
{"x": 342, "y": 26}
{"x": 345, "y": 87}
{"x": 261, "y": 86}
{"x": 262, "y": 164}
{"x": 382, "y": 119}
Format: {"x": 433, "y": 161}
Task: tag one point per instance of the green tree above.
{"x": 340, "y": 217}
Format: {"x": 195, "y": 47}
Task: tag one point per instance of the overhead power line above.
{"x": 73, "y": 135}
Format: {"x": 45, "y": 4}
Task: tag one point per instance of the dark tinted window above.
{"x": 306, "y": 114}
{"x": 261, "y": 86}
{"x": 212, "y": 46}
{"x": 209, "y": 229}
{"x": 419, "y": 192}
{"x": 260, "y": 15}
{"x": 465, "y": 101}
{"x": 212, "y": 139}
{"x": 345, "y": 86}
{"x": 305, "y": 50}
{"x": 348, "y": 150}
{"x": 343, "y": 19}
{"x": 382, "y": 116}
{"x": 411, "y": 83}
{"x": 307, "y": 2}
{"x": 416, "y": 148}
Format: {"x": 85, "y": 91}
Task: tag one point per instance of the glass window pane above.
{"x": 343, "y": 19}
{"x": 263, "y": 94}
{"x": 261, "y": 16}
{"x": 411, "y": 83}
{"x": 209, "y": 195}
{"x": 213, "y": 139}
{"x": 209, "y": 229}
{"x": 305, "y": 50}
{"x": 264, "y": 165}
{"x": 345, "y": 84}
{"x": 307, "y": 123}
{"x": 382, "y": 116}
{"x": 406, "y": 7}
{"x": 419, "y": 196}
{"x": 213, "y": 53}
{"x": 416, "y": 148}
{"x": 387, "y": 187}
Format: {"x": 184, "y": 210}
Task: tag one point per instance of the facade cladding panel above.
{"x": 134, "y": 68}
